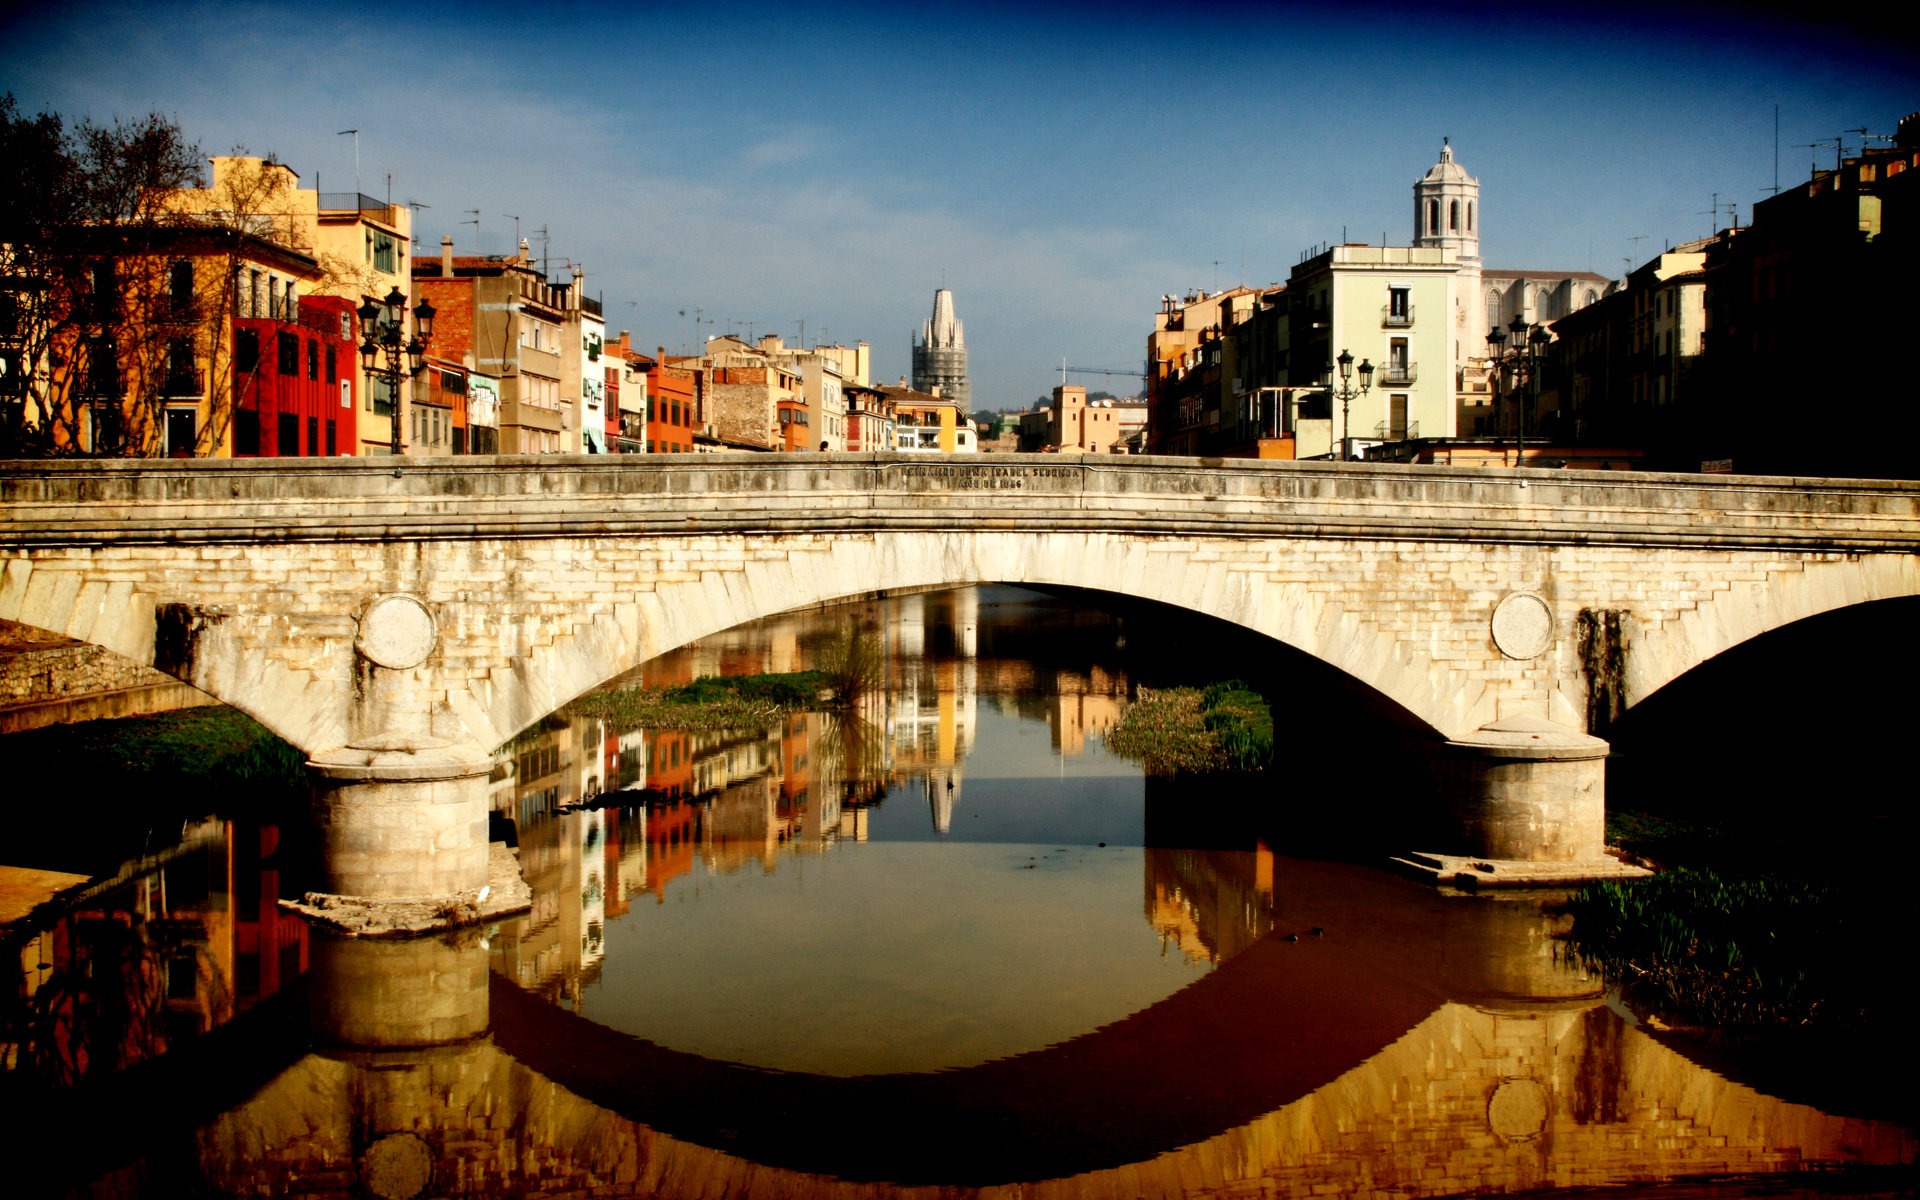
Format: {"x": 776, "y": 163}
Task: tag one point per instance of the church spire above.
{"x": 1446, "y": 207}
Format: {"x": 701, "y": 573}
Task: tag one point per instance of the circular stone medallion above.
{"x": 397, "y": 1167}
{"x": 1517, "y": 1110}
{"x": 1522, "y": 625}
{"x": 396, "y": 631}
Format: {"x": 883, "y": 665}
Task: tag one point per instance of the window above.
{"x": 246, "y": 431}
{"x": 333, "y": 440}
{"x": 380, "y": 396}
{"x": 246, "y": 350}
{"x": 1453, "y": 216}
{"x": 182, "y": 433}
{"x": 181, "y": 379}
{"x": 288, "y": 445}
{"x": 313, "y": 360}
{"x": 1469, "y": 216}
{"x": 1399, "y": 306}
{"x": 1433, "y": 216}
{"x": 333, "y": 364}
{"x": 180, "y": 289}
{"x": 252, "y": 300}
{"x": 289, "y": 348}
{"x": 313, "y": 434}
{"x": 103, "y": 371}
{"x": 1397, "y": 425}
{"x": 381, "y": 247}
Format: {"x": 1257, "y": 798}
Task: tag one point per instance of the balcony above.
{"x": 1386, "y": 432}
{"x": 1396, "y": 318}
{"x": 181, "y": 382}
{"x": 1396, "y": 375}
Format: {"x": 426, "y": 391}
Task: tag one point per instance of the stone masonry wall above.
{"x": 546, "y": 576}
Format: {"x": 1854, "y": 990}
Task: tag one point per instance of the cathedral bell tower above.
{"x": 1446, "y": 208}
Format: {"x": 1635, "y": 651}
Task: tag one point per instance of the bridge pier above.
{"x": 401, "y": 812}
{"x": 1527, "y": 802}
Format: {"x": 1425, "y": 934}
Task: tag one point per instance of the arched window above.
{"x": 1493, "y": 308}
{"x": 1469, "y": 216}
{"x": 1433, "y": 216}
{"x": 1453, "y": 216}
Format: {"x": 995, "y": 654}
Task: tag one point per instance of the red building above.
{"x": 672, "y": 411}
{"x": 293, "y": 382}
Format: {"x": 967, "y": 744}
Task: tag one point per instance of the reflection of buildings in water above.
{"x": 943, "y": 789}
{"x": 1212, "y": 904}
{"x": 1084, "y": 704}
{"x": 170, "y": 947}
{"x": 1263, "y": 1080}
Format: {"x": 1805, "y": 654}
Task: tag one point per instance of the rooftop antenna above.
{"x": 389, "y": 189}
{"x": 356, "y": 156}
{"x": 1813, "y": 165}
{"x": 1776, "y": 150}
{"x": 516, "y": 227}
{"x": 476, "y": 228}
{"x": 1712, "y": 214}
{"x": 1633, "y": 251}
{"x": 411, "y": 204}
{"x": 546, "y": 240}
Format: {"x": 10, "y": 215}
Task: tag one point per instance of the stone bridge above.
{"x": 398, "y": 621}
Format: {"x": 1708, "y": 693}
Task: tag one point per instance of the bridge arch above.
{"x": 802, "y": 572}
{"x": 1731, "y": 613}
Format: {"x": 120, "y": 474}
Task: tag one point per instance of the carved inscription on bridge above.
{"x": 982, "y": 477}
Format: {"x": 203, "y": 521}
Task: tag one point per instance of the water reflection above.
{"x": 949, "y": 875}
{"x": 1180, "y": 1011}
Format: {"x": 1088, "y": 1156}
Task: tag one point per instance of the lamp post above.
{"x": 1520, "y": 367}
{"x": 384, "y": 355}
{"x": 1347, "y": 392}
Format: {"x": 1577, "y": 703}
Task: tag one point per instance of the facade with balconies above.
{"x": 1389, "y": 308}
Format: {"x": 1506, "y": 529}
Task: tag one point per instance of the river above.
{"x": 945, "y": 941}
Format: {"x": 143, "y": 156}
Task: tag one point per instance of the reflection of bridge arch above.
{"x": 1496, "y": 1072}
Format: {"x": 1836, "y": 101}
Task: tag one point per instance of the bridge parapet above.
{"x": 119, "y": 501}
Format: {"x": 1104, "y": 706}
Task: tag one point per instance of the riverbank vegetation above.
{"x": 1703, "y": 948}
{"x": 1182, "y": 731}
{"x": 81, "y": 790}
{"x": 850, "y": 666}
{"x": 711, "y": 702}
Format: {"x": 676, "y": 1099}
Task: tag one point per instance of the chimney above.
{"x": 446, "y": 256}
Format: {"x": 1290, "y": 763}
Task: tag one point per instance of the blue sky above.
{"x": 1058, "y": 166}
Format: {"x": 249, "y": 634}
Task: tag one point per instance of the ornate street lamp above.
{"x": 381, "y": 323}
{"x": 1347, "y": 392}
{"x": 1518, "y": 366}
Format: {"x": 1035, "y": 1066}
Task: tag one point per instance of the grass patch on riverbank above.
{"x": 1182, "y": 731}
{"x": 713, "y": 702}
{"x": 80, "y": 789}
{"x": 1704, "y": 948}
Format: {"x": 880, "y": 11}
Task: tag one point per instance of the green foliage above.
{"x": 711, "y": 702}
{"x": 1241, "y": 724}
{"x": 134, "y": 777}
{"x": 1225, "y": 727}
{"x": 1704, "y": 948}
